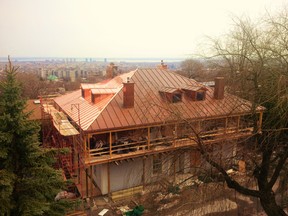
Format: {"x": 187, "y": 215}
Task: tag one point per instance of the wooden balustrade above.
{"x": 126, "y": 149}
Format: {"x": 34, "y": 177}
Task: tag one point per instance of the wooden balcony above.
{"x": 129, "y": 149}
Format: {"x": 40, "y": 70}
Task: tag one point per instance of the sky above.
{"x": 118, "y": 28}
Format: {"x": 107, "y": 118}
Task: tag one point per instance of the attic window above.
{"x": 171, "y": 94}
{"x": 200, "y": 95}
{"x": 176, "y": 97}
{"x": 195, "y": 93}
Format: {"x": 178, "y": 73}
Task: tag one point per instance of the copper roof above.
{"x": 149, "y": 107}
{"x": 88, "y": 111}
{"x": 104, "y": 90}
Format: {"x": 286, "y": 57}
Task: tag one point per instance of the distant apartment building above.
{"x": 70, "y": 73}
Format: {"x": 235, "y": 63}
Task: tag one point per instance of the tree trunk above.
{"x": 270, "y": 206}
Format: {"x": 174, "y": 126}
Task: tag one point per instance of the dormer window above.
{"x": 95, "y": 93}
{"x": 171, "y": 94}
{"x": 101, "y": 93}
{"x": 200, "y": 95}
{"x": 195, "y": 93}
{"x": 176, "y": 97}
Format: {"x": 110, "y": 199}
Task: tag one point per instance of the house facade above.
{"x": 139, "y": 127}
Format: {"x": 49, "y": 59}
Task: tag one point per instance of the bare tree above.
{"x": 31, "y": 84}
{"x": 192, "y": 68}
{"x": 254, "y": 57}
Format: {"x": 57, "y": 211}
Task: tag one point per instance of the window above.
{"x": 195, "y": 93}
{"x": 157, "y": 164}
{"x": 177, "y": 97}
{"x": 200, "y": 95}
{"x": 171, "y": 94}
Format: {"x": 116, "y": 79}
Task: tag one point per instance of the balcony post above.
{"x": 87, "y": 139}
{"x": 238, "y": 124}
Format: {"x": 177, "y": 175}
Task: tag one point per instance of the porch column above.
{"x": 91, "y": 180}
{"x": 238, "y": 123}
{"x": 144, "y": 173}
{"x": 89, "y": 144}
{"x": 86, "y": 185}
{"x": 108, "y": 178}
{"x": 87, "y": 139}
{"x": 110, "y": 144}
{"x": 79, "y": 169}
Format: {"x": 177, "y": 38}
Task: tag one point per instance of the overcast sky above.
{"x": 117, "y": 28}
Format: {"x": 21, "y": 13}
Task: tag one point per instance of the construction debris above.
{"x": 103, "y": 212}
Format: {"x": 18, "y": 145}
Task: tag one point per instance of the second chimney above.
{"x": 128, "y": 94}
{"x": 162, "y": 66}
{"x": 219, "y": 88}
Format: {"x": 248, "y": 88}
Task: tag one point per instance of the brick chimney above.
{"x": 128, "y": 94}
{"x": 163, "y": 66}
{"x": 219, "y": 88}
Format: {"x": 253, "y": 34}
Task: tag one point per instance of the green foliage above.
{"x": 137, "y": 211}
{"x": 28, "y": 182}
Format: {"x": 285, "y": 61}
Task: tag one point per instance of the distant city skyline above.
{"x": 117, "y": 29}
{"x": 89, "y": 59}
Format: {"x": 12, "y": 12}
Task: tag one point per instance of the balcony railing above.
{"x": 129, "y": 148}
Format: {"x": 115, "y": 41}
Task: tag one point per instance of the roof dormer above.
{"x": 96, "y": 93}
{"x": 171, "y": 94}
{"x": 99, "y": 94}
{"x": 195, "y": 93}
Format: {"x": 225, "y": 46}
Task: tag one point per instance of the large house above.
{"x": 137, "y": 127}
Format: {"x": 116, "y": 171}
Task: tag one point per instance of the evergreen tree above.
{"x": 28, "y": 182}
